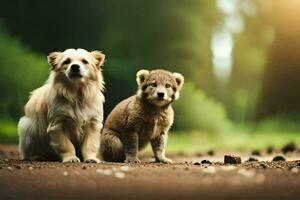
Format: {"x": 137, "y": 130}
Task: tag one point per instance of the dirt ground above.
{"x": 187, "y": 178}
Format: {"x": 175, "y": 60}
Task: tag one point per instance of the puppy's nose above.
{"x": 75, "y": 68}
{"x": 160, "y": 94}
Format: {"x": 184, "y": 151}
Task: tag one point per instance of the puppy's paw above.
{"x": 164, "y": 160}
{"x": 71, "y": 159}
{"x": 132, "y": 160}
{"x": 92, "y": 160}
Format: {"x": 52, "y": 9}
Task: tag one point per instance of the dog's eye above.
{"x": 168, "y": 85}
{"x": 66, "y": 62}
{"x": 153, "y": 84}
{"x": 84, "y": 61}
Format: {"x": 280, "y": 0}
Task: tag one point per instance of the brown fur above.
{"x": 63, "y": 118}
{"x": 142, "y": 118}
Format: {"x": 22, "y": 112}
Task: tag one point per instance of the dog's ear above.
{"x": 141, "y": 76}
{"x": 179, "y": 80}
{"x": 99, "y": 56}
{"x": 52, "y": 59}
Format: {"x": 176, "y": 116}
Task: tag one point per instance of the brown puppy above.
{"x": 63, "y": 118}
{"x": 146, "y": 116}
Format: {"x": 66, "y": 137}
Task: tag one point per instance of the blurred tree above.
{"x": 21, "y": 71}
{"x": 281, "y": 82}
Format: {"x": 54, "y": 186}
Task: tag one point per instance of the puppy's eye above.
{"x": 153, "y": 85}
{"x": 84, "y": 61}
{"x": 66, "y": 62}
{"x": 168, "y": 85}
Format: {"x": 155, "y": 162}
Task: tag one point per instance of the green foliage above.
{"x": 195, "y": 111}
{"x": 280, "y": 123}
{"x": 21, "y": 71}
{"x": 8, "y": 131}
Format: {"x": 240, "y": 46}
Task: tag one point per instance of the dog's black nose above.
{"x": 160, "y": 94}
{"x": 75, "y": 68}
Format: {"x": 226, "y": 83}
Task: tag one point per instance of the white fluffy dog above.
{"x": 63, "y": 118}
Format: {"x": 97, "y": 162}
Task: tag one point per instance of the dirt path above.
{"x": 182, "y": 180}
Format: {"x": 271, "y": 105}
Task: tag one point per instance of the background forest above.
{"x": 240, "y": 60}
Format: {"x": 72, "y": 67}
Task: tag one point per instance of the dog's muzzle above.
{"x": 75, "y": 71}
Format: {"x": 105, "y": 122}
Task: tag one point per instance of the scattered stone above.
{"x": 125, "y": 168}
{"x": 211, "y": 152}
{"x": 255, "y": 153}
{"x": 252, "y": 159}
{"x": 10, "y": 168}
{"x": 18, "y": 167}
{"x": 30, "y": 168}
{"x": 270, "y": 150}
{"x": 120, "y": 175}
{"x": 206, "y": 162}
{"x": 107, "y": 172}
{"x": 298, "y": 164}
{"x": 197, "y": 163}
{"x": 198, "y": 154}
{"x": 65, "y": 173}
{"x": 227, "y": 168}
{"x": 84, "y": 167}
{"x": 210, "y": 170}
{"x": 262, "y": 165}
{"x": 246, "y": 173}
{"x": 230, "y": 159}
{"x": 290, "y": 147}
{"x": 278, "y": 158}
{"x": 295, "y": 170}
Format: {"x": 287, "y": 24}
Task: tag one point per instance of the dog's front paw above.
{"x": 71, "y": 159}
{"x": 92, "y": 160}
{"x": 164, "y": 160}
{"x": 132, "y": 160}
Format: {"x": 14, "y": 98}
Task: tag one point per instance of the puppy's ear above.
{"x": 99, "y": 56}
{"x": 179, "y": 80}
{"x": 141, "y": 76}
{"x": 52, "y": 59}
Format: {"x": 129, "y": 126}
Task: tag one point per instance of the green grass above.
{"x": 199, "y": 141}
{"x": 8, "y": 132}
{"x": 190, "y": 142}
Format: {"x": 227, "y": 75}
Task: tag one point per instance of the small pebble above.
{"x": 199, "y": 154}
{"x": 229, "y": 159}
{"x": 252, "y": 159}
{"x": 65, "y": 173}
{"x": 270, "y": 150}
{"x": 10, "y": 168}
{"x": 290, "y": 147}
{"x": 255, "y": 152}
{"x": 278, "y": 158}
{"x": 211, "y": 152}
{"x": 228, "y": 168}
{"x": 18, "y": 167}
{"x": 295, "y": 170}
{"x": 30, "y": 168}
{"x": 120, "y": 175}
{"x": 107, "y": 172}
{"x": 125, "y": 168}
{"x": 205, "y": 162}
{"x": 262, "y": 165}
{"x": 210, "y": 170}
{"x": 84, "y": 167}
{"x": 246, "y": 173}
{"x": 197, "y": 163}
